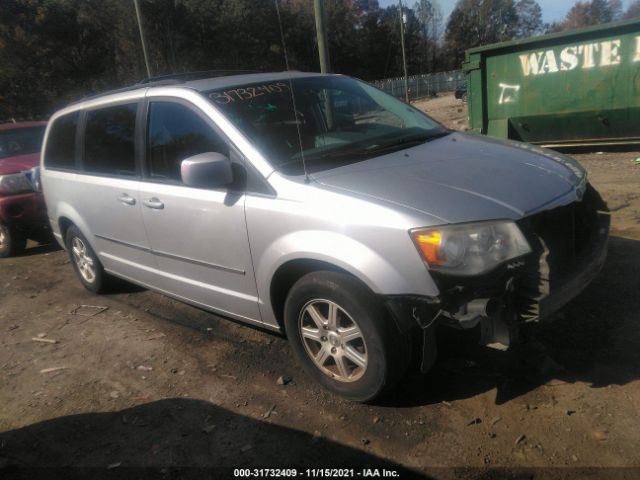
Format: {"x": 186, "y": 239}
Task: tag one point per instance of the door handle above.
{"x": 126, "y": 199}
{"x": 153, "y": 202}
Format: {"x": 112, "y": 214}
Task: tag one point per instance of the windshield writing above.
{"x": 336, "y": 120}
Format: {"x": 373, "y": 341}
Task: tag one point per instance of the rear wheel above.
{"x": 12, "y": 241}
{"x": 343, "y": 336}
{"x": 85, "y": 262}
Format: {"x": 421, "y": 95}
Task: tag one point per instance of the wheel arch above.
{"x": 289, "y": 257}
{"x": 289, "y": 273}
{"x": 64, "y": 223}
{"x": 66, "y": 217}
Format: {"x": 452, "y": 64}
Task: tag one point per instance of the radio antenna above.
{"x": 293, "y": 97}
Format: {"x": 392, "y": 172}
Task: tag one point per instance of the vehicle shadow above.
{"x": 118, "y": 286}
{"x": 594, "y": 339}
{"x": 171, "y": 433}
{"x": 34, "y": 248}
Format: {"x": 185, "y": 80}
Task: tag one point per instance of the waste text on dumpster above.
{"x": 588, "y": 55}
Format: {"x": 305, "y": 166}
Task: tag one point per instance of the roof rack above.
{"x": 128, "y": 88}
{"x": 198, "y": 75}
{"x": 169, "y": 79}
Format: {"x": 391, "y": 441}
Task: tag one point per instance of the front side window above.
{"x": 328, "y": 120}
{"x": 60, "y": 151}
{"x": 175, "y": 132}
{"x": 109, "y": 140}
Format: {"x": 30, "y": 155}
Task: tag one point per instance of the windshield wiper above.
{"x": 372, "y": 149}
{"x": 337, "y": 153}
{"x": 407, "y": 141}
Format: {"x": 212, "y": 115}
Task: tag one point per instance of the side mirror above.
{"x": 206, "y": 170}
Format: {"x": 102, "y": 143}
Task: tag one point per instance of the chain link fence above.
{"x": 423, "y": 86}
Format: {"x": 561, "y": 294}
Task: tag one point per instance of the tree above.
{"x": 594, "y": 12}
{"x": 56, "y": 51}
{"x": 479, "y": 22}
{"x": 429, "y": 15}
{"x": 633, "y": 10}
{"x": 529, "y": 18}
{"x": 603, "y": 11}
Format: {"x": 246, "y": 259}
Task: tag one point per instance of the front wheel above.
{"x": 343, "y": 336}
{"x": 12, "y": 241}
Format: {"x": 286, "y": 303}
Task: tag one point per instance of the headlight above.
{"x": 15, "y": 183}
{"x": 470, "y": 249}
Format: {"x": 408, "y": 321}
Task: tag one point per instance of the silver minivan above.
{"x": 322, "y": 208}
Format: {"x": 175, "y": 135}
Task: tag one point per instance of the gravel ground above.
{"x": 152, "y": 382}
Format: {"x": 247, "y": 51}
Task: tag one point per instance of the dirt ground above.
{"x": 152, "y": 382}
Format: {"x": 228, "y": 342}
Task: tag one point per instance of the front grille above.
{"x": 559, "y": 238}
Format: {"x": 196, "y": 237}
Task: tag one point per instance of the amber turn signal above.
{"x": 429, "y": 244}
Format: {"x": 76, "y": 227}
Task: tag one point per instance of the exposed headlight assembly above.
{"x": 15, "y": 183}
{"x": 35, "y": 177}
{"x": 471, "y": 248}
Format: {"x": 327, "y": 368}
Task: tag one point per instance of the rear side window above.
{"x": 109, "y": 140}
{"x": 176, "y": 132}
{"x": 60, "y": 151}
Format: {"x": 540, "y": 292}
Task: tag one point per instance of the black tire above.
{"x": 100, "y": 279}
{"x": 13, "y": 242}
{"x": 387, "y": 352}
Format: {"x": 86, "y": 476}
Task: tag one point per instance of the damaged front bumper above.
{"x": 569, "y": 249}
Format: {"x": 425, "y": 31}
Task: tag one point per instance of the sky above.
{"x": 551, "y": 9}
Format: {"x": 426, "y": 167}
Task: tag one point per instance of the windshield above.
{"x": 20, "y": 141}
{"x": 337, "y": 120}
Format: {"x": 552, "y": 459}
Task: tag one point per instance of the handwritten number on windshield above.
{"x": 247, "y": 93}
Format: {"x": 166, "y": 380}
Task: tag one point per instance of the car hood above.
{"x": 19, "y": 163}
{"x": 463, "y": 178}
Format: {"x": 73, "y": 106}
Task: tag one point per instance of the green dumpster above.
{"x": 576, "y": 88}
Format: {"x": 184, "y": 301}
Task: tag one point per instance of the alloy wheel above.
{"x": 333, "y": 340}
{"x": 83, "y": 260}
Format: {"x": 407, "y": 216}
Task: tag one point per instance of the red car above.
{"x": 22, "y": 210}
